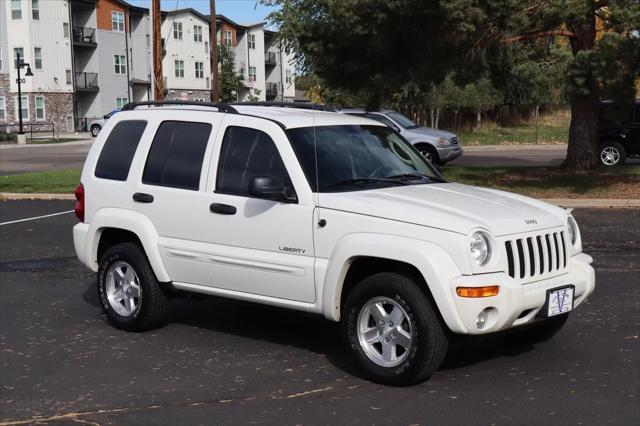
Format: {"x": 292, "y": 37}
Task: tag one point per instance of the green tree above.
{"x": 377, "y": 47}
{"x": 231, "y": 82}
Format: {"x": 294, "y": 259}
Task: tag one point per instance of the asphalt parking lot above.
{"x": 226, "y": 362}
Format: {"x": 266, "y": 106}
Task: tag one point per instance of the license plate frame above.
{"x": 556, "y": 302}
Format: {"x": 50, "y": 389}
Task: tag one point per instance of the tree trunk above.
{"x": 582, "y": 152}
{"x": 478, "y": 119}
{"x": 437, "y": 118}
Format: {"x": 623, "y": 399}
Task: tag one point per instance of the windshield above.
{"x": 401, "y": 120}
{"x": 351, "y": 158}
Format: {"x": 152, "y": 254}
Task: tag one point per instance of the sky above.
{"x": 240, "y": 11}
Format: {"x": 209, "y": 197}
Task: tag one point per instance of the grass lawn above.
{"x": 552, "y": 182}
{"x": 538, "y": 182}
{"x": 56, "y": 182}
{"x": 552, "y": 129}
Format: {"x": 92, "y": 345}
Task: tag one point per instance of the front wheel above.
{"x": 392, "y": 331}
{"x": 429, "y": 153}
{"x": 612, "y": 154}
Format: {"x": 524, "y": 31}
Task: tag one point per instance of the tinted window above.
{"x": 247, "y": 153}
{"x": 383, "y": 120}
{"x": 117, "y": 152}
{"x": 176, "y": 154}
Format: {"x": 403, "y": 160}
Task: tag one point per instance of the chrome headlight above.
{"x": 573, "y": 230}
{"x": 443, "y": 141}
{"x": 480, "y": 247}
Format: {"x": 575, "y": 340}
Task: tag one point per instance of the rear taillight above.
{"x": 79, "y": 209}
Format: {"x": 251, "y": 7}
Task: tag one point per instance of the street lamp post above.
{"x": 19, "y": 80}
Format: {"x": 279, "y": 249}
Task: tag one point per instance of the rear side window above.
{"x": 117, "y": 152}
{"x": 176, "y": 155}
{"x": 247, "y": 153}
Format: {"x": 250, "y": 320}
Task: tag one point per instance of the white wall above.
{"x": 46, "y": 33}
{"x": 186, "y": 50}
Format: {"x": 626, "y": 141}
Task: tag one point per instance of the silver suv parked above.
{"x": 438, "y": 146}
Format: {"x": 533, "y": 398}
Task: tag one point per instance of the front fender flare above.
{"x": 433, "y": 262}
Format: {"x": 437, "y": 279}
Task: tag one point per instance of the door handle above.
{"x": 222, "y": 208}
{"x": 142, "y": 198}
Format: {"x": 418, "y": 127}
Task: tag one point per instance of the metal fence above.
{"x": 37, "y": 130}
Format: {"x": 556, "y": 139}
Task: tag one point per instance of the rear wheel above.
{"x": 129, "y": 292}
{"x": 95, "y": 130}
{"x": 429, "y": 153}
{"x": 392, "y": 331}
{"x": 612, "y": 154}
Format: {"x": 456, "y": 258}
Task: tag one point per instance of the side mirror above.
{"x": 268, "y": 188}
{"x": 106, "y": 116}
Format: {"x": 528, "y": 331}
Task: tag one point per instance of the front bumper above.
{"x": 449, "y": 153}
{"x": 518, "y": 304}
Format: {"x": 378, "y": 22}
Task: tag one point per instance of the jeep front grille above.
{"x": 536, "y": 255}
{"x": 454, "y": 140}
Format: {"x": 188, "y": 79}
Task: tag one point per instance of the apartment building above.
{"x": 90, "y": 57}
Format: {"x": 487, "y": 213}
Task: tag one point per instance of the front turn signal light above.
{"x": 487, "y": 291}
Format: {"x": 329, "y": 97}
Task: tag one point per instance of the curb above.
{"x": 79, "y": 142}
{"x": 514, "y": 147}
{"x": 562, "y": 202}
{"x": 9, "y": 196}
{"x": 594, "y": 202}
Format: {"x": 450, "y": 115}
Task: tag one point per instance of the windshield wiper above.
{"x": 364, "y": 181}
{"x": 415, "y": 175}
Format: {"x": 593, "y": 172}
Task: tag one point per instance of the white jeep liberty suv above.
{"x": 320, "y": 212}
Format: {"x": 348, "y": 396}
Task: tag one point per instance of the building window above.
{"x": 16, "y": 9}
{"x": 120, "y": 102}
{"x": 35, "y": 10}
{"x": 208, "y": 83}
{"x": 197, "y": 33}
{"x": 177, "y": 30}
{"x": 40, "y": 108}
{"x": 148, "y": 41}
{"x": 252, "y": 41}
{"x": 37, "y": 57}
{"x": 120, "y": 64}
{"x": 179, "y": 68}
{"x": 3, "y": 114}
{"x": 18, "y": 51}
{"x": 68, "y": 75}
{"x": 199, "y": 70}
{"x": 117, "y": 21}
{"x": 252, "y": 73}
{"x": 25, "y": 108}
{"x": 65, "y": 29}
{"x": 206, "y": 47}
{"x": 227, "y": 38}
{"x": 287, "y": 76}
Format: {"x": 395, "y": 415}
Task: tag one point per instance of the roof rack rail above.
{"x": 298, "y": 105}
{"x": 222, "y": 107}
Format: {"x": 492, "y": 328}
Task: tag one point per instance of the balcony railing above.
{"x": 87, "y": 81}
{"x": 84, "y": 36}
{"x": 272, "y": 90}
{"x": 270, "y": 58}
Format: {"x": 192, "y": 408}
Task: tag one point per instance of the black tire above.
{"x": 541, "y": 331}
{"x": 153, "y": 308}
{"x": 430, "y": 343}
{"x": 611, "y": 154}
{"x": 429, "y": 152}
{"x": 95, "y": 130}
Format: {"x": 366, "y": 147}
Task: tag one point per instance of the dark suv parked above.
{"x": 619, "y": 133}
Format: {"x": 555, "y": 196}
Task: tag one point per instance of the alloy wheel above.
{"x": 123, "y": 289}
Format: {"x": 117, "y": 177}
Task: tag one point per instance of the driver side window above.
{"x": 245, "y": 154}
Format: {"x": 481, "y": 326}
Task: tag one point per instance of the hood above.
{"x": 452, "y": 207}
{"x": 421, "y": 132}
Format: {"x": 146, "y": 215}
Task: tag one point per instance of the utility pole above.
{"x": 20, "y": 81}
{"x": 213, "y": 54}
{"x": 158, "y": 94}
